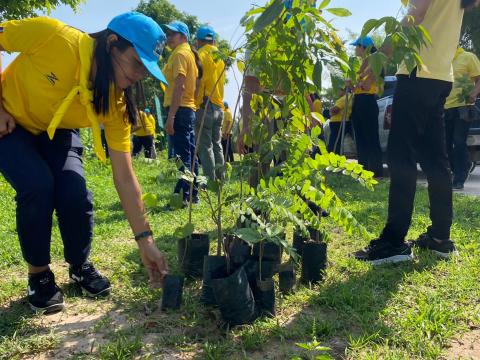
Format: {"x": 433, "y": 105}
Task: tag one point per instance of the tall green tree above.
{"x": 470, "y": 38}
{"x": 16, "y": 9}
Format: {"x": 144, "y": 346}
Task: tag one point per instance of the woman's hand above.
{"x": 7, "y": 123}
{"x": 154, "y": 262}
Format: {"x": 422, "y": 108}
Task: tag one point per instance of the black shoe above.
{"x": 442, "y": 248}
{"x": 90, "y": 280}
{"x": 457, "y": 186}
{"x": 382, "y": 252}
{"x": 43, "y": 294}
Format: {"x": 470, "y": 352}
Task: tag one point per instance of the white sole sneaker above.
{"x": 393, "y": 260}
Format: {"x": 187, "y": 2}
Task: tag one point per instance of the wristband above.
{"x": 144, "y": 234}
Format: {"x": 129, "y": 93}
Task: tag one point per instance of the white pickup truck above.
{"x": 385, "y": 119}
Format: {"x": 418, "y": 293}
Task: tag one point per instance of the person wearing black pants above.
{"x": 365, "y": 112}
{"x": 418, "y": 135}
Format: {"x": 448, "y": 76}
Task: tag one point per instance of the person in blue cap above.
{"x": 209, "y": 104}
{"x": 365, "y": 111}
{"x": 182, "y": 73}
{"x": 90, "y": 82}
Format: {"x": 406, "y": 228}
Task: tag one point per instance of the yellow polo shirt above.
{"x": 227, "y": 123}
{"x": 48, "y": 67}
{"x": 464, "y": 64}
{"x": 181, "y": 62}
{"x": 317, "y": 106}
{"x": 212, "y": 70}
{"x": 443, "y": 22}
{"x": 340, "y": 103}
{"x": 148, "y": 125}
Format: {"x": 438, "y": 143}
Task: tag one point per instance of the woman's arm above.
{"x": 130, "y": 195}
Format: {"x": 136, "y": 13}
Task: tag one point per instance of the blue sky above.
{"x": 223, "y": 15}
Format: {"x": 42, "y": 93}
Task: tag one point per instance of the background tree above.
{"x": 16, "y": 9}
{"x": 470, "y": 39}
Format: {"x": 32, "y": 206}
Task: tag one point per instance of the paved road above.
{"x": 472, "y": 186}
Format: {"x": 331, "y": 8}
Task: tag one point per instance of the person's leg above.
{"x": 375, "y": 163}
{"x": 72, "y": 201}
{"x": 217, "y": 142}
{"x": 461, "y": 157}
{"x": 434, "y": 161}
{"x": 205, "y": 145}
{"x": 137, "y": 145}
{"x": 184, "y": 146}
{"x": 334, "y": 134}
{"x": 449, "y": 116}
{"x": 358, "y": 113}
{"x": 148, "y": 146}
{"x": 170, "y": 147}
{"x": 26, "y": 171}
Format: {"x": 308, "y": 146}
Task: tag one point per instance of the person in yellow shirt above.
{"x": 365, "y": 112}
{"x": 418, "y": 134}
{"x": 337, "y": 115}
{"x": 210, "y": 92}
{"x": 181, "y": 72}
{"x": 227, "y": 127}
{"x": 459, "y": 114}
{"x": 62, "y": 80}
{"x": 144, "y": 136}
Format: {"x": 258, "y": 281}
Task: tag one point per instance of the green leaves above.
{"x": 150, "y": 200}
{"x": 341, "y": 12}
{"x": 184, "y": 231}
{"x": 317, "y": 74}
{"x": 249, "y": 235}
{"x": 272, "y": 12}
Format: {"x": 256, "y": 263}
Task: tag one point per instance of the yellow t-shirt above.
{"x": 227, "y": 122}
{"x": 318, "y": 106}
{"x": 464, "y": 64}
{"x": 147, "y": 125}
{"x": 212, "y": 70}
{"x": 443, "y": 23}
{"x": 35, "y": 84}
{"x": 181, "y": 62}
{"x": 340, "y": 103}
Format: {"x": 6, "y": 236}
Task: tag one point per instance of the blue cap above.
{"x": 365, "y": 41}
{"x": 206, "y": 32}
{"x": 225, "y": 104}
{"x": 147, "y": 110}
{"x": 180, "y": 27}
{"x": 146, "y": 36}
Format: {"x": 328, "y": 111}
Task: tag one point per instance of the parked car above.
{"x": 385, "y": 120}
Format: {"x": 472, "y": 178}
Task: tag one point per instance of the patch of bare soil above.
{"x": 466, "y": 347}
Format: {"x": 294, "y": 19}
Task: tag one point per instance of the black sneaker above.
{"x": 43, "y": 294}
{"x": 442, "y": 248}
{"x": 457, "y": 186}
{"x": 90, "y": 280}
{"x": 380, "y": 252}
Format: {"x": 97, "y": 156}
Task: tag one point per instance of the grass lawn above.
{"x": 410, "y": 311}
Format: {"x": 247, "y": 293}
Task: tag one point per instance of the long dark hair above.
{"x": 198, "y": 62}
{"x": 104, "y": 77}
{"x": 467, "y": 3}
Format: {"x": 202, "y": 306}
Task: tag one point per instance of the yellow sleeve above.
{"x": 180, "y": 65}
{"x": 474, "y": 66}
{"x": 28, "y": 35}
{"x": 317, "y": 106}
{"x": 118, "y": 129}
{"x": 340, "y": 103}
{"x": 153, "y": 123}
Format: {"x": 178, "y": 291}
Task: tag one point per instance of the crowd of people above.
{"x": 65, "y": 79}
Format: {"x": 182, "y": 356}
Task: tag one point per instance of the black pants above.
{"x": 418, "y": 134}
{"x": 335, "y": 133}
{"x": 365, "y": 124}
{"x": 48, "y": 175}
{"x": 145, "y": 142}
{"x": 227, "y": 153}
{"x": 456, "y": 137}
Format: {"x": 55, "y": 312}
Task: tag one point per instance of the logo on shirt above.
{"x": 1, "y": 29}
{"x": 52, "y": 78}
